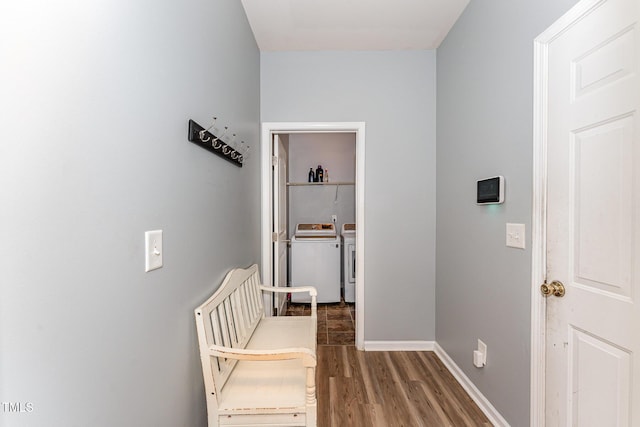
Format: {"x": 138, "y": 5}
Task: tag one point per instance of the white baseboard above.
{"x": 475, "y": 394}
{"x": 399, "y": 345}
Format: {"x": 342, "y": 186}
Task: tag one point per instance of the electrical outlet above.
{"x": 480, "y": 355}
{"x": 152, "y": 250}
{"x": 334, "y": 218}
{"x": 477, "y": 359}
{"x": 482, "y": 347}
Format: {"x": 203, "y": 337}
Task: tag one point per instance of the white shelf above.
{"x": 299, "y": 184}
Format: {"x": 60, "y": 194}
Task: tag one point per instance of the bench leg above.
{"x": 311, "y": 401}
{"x": 312, "y": 415}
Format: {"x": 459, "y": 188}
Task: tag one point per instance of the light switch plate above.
{"x": 153, "y": 250}
{"x": 515, "y": 236}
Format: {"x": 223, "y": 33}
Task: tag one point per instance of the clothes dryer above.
{"x": 348, "y": 234}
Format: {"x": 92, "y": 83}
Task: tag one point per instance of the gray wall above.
{"x": 485, "y": 75}
{"x": 394, "y": 93}
{"x": 93, "y": 152}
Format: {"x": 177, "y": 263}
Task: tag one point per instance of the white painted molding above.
{"x": 399, "y": 345}
{"x": 538, "y": 233}
{"x": 475, "y": 394}
{"x": 539, "y": 202}
{"x": 360, "y": 246}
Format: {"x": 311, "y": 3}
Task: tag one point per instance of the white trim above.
{"x": 538, "y": 233}
{"x": 399, "y": 345}
{"x": 483, "y": 403}
{"x": 268, "y": 128}
{"x": 539, "y": 202}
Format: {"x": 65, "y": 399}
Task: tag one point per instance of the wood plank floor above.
{"x": 381, "y": 388}
{"x": 410, "y": 388}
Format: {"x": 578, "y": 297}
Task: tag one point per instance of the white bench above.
{"x": 257, "y": 370}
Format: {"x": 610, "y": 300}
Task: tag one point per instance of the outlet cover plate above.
{"x": 152, "y": 250}
{"x": 482, "y": 348}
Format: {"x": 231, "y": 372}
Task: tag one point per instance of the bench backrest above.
{"x": 228, "y": 318}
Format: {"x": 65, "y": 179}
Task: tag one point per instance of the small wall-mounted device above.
{"x": 490, "y": 190}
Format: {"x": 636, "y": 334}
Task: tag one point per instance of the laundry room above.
{"x": 321, "y": 190}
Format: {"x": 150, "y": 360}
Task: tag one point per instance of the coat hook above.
{"x": 204, "y": 131}
{"x": 202, "y": 136}
{"x": 226, "y": 128}
{"x": 245, "y": 154}
{"x": 217, "y": 143}
{"x": 234, "y": 149}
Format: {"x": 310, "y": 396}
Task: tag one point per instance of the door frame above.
{"x": 270, "y": 128}
{"x": 539, "y": 202}
{"x": 279, "y": 299}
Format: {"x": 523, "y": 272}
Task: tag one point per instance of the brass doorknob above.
{"x": 556, "y": 288}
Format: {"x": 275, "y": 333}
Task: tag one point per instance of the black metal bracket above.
{"x": 205, "y": 139}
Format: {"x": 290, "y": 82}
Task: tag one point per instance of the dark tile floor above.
{"x": 336, "y": 322}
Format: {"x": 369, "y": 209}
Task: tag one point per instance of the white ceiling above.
{"x": 351, "y": 24}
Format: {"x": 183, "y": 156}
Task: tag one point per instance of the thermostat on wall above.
{"x": 490, "y": 190}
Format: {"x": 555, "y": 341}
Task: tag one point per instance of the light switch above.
{"x": 153, "y": 250}
{"x": 515, "y": 235}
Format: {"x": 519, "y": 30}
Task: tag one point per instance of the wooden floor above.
{"x": 366, "y": 389}
{"x": 358, "y": 388}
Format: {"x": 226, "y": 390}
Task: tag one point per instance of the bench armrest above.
{"x": 308, "y": 356}
{"x": 312, "y": 291}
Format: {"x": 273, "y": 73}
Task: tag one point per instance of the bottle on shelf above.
{"x": 326, "y": 175}
{"x": 319, "y": 174}
{"x": 312, "y": 175}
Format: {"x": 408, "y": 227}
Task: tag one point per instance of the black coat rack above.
{"x": 207, "y": 140}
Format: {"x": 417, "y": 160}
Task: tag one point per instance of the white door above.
{"x": 279, "y": 230}
{"x": 593, "y": 219}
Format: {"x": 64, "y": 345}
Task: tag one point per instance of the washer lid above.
{"x": 315, "y": 230}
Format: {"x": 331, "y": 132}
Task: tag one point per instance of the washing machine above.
{"x": 315, "y": 261}
{"x": 348, "y": 233}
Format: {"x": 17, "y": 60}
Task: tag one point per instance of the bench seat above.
{"x": 258, "y": 370}
{"x": 273, "y": 383}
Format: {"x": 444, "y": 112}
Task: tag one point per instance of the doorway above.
{"x": 585, "y": 230}
{"x": 271, "y": 245}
